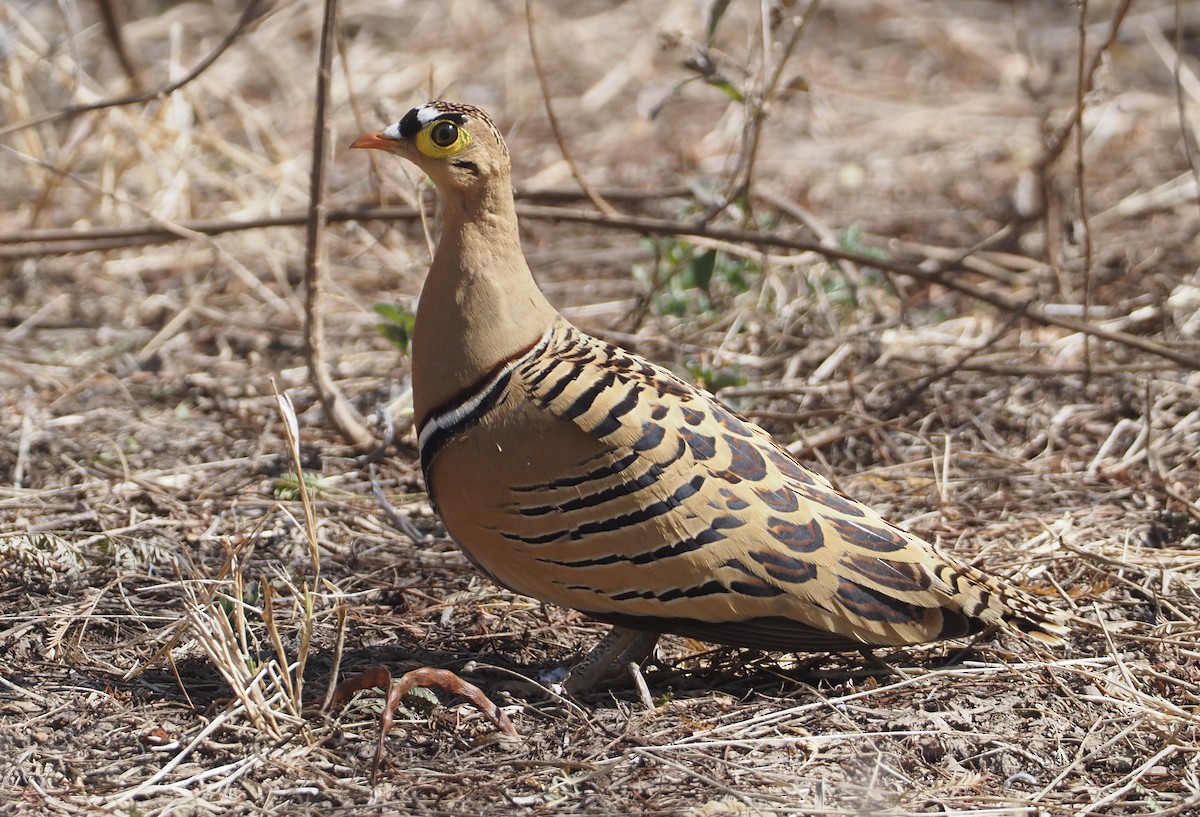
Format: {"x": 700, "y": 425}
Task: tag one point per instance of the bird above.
{"x": 585, "y": 476}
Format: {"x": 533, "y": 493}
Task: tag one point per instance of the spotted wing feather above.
{"x": 672, "y": 512}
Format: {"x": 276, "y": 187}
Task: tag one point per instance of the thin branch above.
{"x": 934, "y": 276}
{"x": 139, "y": 234}
{"x": 112, "y": 15}
{"x": 1058, "y": 142}
{"x": 757, "y": 114}
{"x": 249, "y": 14}
{"x": 1080, "y": 180}
{"x": 925, "y": 382}
{"x": 377, "y": 676}
{"x": 594, "y": 197}
{"x": 1185, "y": 131}
{"x": 344, "y": 417}
{"x": 939, "y": 274}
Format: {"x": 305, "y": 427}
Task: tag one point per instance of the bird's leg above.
{"x": 878, "y": 663}
{"x": 609, "y": 659}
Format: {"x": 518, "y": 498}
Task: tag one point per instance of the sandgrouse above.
{"x": 572, "y": 471}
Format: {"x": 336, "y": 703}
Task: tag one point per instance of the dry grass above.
{"x": 165, "y": 638}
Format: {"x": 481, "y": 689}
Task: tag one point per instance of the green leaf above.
{"x": 714, "y": 379}
{"x": 701, "y": 268}
{"x": 391, "y": 312}
{"x": 715, "y": 12}
{"x": 288, "y": 488}
{"x": 851, "y": 240}
{"x": 719, "y": 81}
{"x": 672, "y": 306}
{"x": 398, "y": 324}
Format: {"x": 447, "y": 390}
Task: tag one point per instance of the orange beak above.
{"x": 374, "y": 140}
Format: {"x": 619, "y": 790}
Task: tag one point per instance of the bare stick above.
{"x": 1059, "y": 141}
{"x": 135, "y": 235}
{"x": 595, "y": 198}
{"x": 345, "y": 419}
{"x": 940, "y": 274}
{"x": 1183, "y": 356}
{"x": 71, "y": 111}
{"x": 1080, "y": 182}
{"x": 112, "y": 14}
{"x": 757, "y": 104}
{"x": 1185, "y": 132}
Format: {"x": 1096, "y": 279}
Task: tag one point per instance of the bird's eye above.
{"x": 443, "y": 134}
{"x": 443, "y": 137}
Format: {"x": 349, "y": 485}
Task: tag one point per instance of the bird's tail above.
{"x": 995, "y": 601}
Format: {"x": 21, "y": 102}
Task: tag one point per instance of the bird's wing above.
{"x": 645, "y": 501}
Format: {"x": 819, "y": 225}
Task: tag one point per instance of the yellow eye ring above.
{"x": 441, "y": 139}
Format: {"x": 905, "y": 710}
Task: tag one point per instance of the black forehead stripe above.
{"x": 409, "y": 125}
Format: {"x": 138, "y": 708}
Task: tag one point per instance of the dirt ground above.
{"x": 1004, "y": 358}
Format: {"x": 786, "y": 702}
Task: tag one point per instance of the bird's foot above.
{"x": 609, "y": 661}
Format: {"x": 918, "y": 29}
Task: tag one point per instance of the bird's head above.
{"x": 458, "y": 146}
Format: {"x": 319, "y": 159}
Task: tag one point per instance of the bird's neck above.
{"x": 480, "y": 305}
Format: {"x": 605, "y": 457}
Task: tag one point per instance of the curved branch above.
{"x": 248, "y": 15}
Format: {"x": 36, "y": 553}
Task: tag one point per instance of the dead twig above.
{"x": 1058, "y": 142}
{"x": 757, "y": 103}
{"x": 1082, "y": 77}
{"x": 112, "y": 15}
{"x": 594, "y": 197}
{"x": 1186, "y": 133}
{"x": 249, "y": 14}
{"x": 944, "y": 372}
{"x": 39, "y": 243}
{"x": 344, "y": 417}
{"x": 67, "y": 241}
{"x": 938, "y": 275}
{"x": 399, "y": 521}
